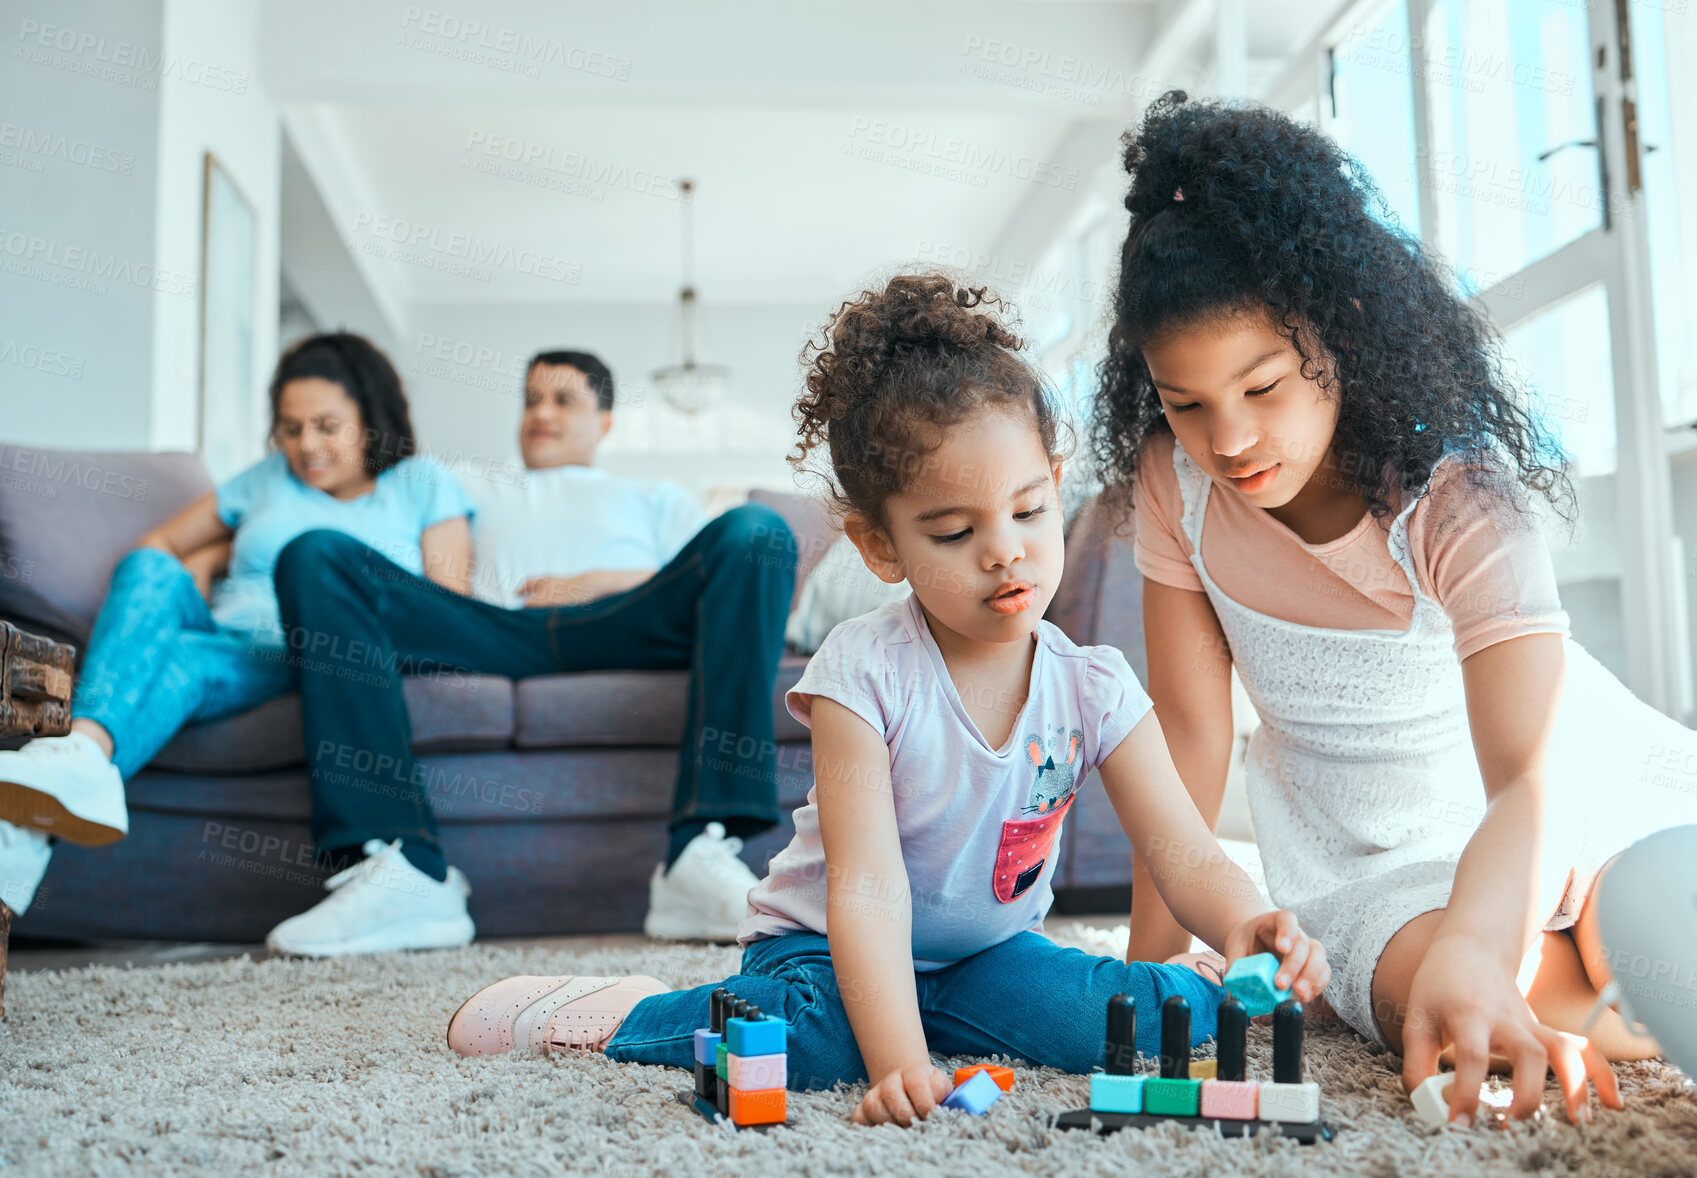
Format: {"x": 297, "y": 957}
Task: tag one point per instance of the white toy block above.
{"x": 1291, "y": 1104}
{"x": 1432, "y": 1098}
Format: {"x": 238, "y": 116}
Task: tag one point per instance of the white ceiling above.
{"x": 815, "y": 132}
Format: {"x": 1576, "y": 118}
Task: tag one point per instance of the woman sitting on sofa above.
{"x": 170, "y": 647}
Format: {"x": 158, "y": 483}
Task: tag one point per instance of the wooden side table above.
{"x": 36, "y": 676}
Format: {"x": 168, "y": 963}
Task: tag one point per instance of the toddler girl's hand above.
{"x": 903, "y": 1096}
{"x": 1303, "y": 969}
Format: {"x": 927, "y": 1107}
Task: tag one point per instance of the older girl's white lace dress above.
{"x": 1363, "y": 783}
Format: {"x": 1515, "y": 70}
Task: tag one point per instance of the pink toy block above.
{"x": 1229, "y": 1100}
{"x": 751, "y": 1073}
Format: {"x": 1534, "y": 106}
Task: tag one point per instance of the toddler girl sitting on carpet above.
{"x": 951, "y": 731}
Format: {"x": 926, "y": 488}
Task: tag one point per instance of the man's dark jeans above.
{"x": 356, "y": 622}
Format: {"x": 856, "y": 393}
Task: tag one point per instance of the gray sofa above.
{"x": 552, "y": 792}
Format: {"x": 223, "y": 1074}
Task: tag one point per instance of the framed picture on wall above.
{"x": 229, "y": 241}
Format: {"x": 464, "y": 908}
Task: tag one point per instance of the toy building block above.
{"x": 1204, "y": 1069}
{"x": 707, "y": 1047}
{"x": 1003, "y": 1076}
{"x": 1229, "y": 1095}
{"x": 755, "y": 1036}
{"x": 1432, "y": 1098}
{"x": 976, "y": 1095}
{"x": 1172, "y": 1098}
{"x": 762, "y": 1107}
{"x": 1116, "y": 1094}
{"x": 1286, "y": 1097}
{"x": 1432, "y": 1101}
{"x": 1173, "y": 1093}
{"x": 748, "y": 1090}
{"x": 751, "y": 1073}
{"x": 1118, "y": 1090}
{"x": 1250, "y": 981}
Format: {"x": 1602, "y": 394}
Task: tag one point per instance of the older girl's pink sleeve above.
{"x": 1161, "y": 550}
{"x": 1485, "y": 561}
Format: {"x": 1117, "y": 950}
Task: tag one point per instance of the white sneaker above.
{"x": 704, "y": 897}
{"x": 66, "y": 787}
{"x": 380, "y": 904}
{"x": 24, "y": 855}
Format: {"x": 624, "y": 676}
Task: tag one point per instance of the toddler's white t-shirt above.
{"x": 979, "y": 826}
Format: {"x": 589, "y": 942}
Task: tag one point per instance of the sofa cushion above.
{"x": 813, "y": 525}
{"x": 629, "y": 708}
{"x": 1099, "y": 601}
{"x": 67, "y": 516}
{"x": 448, "y": 712}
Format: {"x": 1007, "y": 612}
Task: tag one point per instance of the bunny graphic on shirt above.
{"x": 1055, "y": 761}
{"x": 1027, "y": 843}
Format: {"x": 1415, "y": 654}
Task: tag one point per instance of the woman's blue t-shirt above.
{"x": 268, "y": 505}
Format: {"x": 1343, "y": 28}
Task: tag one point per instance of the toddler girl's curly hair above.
{"x": 895, "y": 366}
{"x": 1238, "y": 209}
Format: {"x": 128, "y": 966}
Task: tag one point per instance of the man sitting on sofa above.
{"x": 575, "y": 570}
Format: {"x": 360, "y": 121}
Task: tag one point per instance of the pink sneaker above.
{"x": 542, "y": 1015}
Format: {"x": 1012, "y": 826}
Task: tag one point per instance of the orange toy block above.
{"x": 763, "y": 1106}
{"x": 1002, "y": 1076}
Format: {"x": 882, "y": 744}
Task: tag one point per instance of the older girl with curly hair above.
{"x": 1334, "y": 484}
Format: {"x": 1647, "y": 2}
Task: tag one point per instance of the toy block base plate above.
{"x": 1080, "y": 1118}
{"x": 688, "y": 1097}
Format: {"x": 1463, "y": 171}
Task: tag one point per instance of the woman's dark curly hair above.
{"x": 1276, "y": 218}
{"x": 369, "y": 379}
{"x": 892, "y": 367}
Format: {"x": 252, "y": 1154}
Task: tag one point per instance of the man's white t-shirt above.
{"x": 573, "y": 519}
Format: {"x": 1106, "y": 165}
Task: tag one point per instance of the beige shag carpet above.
{"x": 284, "y": 1067}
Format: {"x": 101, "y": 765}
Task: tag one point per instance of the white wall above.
{"x": 78, "y": 145}
{"x": 213, "y": 101}
{"x": 464, "y": 368}
{"x": 106, "y": 113}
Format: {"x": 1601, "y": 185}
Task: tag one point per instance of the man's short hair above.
{"x": 600, "y": 376}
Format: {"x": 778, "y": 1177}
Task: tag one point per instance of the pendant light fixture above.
{"x": 691, "y": 386}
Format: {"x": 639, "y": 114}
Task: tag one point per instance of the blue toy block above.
{"x": 1250, "y": 979}
{"x": 1116, "y": 1094}
{"x": 706, "y": 1045}
{"x": 976, "y": 1095}
{"x": 755, "y": 1036}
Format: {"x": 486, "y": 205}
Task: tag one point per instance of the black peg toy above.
{"x": 1121, "y": 1045}
{"x": 740, "y": 1009}
{"x": 1232, "y": 1035}
{"x": 1175, "y": 1039}
{"x": 716, "y": 1010}
{"x": 1287, "y": 1043}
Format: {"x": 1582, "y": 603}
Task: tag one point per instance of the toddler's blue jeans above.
{"x": 1027, "y": 998}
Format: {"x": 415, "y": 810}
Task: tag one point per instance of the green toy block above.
{"x": 1171, "y": 1098}
{"x": 720, "y": 1068}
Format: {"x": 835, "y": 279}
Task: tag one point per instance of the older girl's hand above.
{"x": 1463, "y": 996}
{"x": 1303, "y": 969}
